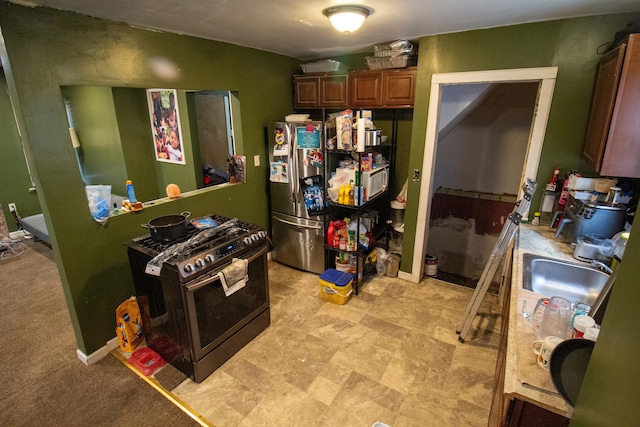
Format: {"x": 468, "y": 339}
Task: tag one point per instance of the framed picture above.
{"x": 165, "y": 125}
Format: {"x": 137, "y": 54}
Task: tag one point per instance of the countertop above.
{"x": 524, "y": 378}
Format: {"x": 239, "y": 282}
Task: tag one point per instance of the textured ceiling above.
{"x": 299, "y": 29}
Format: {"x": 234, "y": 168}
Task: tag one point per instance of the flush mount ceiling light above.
{"x": 347, "y": 18}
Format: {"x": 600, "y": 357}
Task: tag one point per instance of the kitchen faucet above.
{"x": 601, "y": 266}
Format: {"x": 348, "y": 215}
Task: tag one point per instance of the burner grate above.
{"x": 156, "y": 247}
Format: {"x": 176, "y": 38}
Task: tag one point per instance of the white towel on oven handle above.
{"x": 234, "y": 277}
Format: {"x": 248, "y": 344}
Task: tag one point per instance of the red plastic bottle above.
{"x": 330, "y": 232}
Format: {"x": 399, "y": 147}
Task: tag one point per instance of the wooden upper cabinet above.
{"x": 320, "y": 91}
{"x": 389, "y": 88}
{"x": 365, "y": 88}
{"x": 604, "y": 98}
{"x": 333, "y": 90}
{"x": 306, "y": 91}
{"x": 399, "y": 87}
{"x": 612, "y": 145}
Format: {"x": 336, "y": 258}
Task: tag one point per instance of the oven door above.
{"x": 213, "y": 317}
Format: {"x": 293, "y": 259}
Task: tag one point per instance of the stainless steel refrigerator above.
{"x": 295, "y": 151}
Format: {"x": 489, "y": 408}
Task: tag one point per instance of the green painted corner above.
{"x": 569, "y": 44}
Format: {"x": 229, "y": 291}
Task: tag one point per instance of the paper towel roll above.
{"x": 361, "y": 128}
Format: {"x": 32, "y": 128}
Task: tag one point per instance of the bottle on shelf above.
{"x": 549, "y": 197}
{"x": 131, "y": 192}
{"x": 551, "y": 186}
{"x": 351, "y": 242}
{"x": 536, "y": 219}
{"x": 330, "y": 231}
{"x": 357, "y": 201}
{"x": 343, "y": 196}
{"x": 351, "y": 200}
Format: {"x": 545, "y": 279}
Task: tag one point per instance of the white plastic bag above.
{"x": 343, "y": 176}
{"x": 99, "y": 198}
{"x": 381, "y": 261}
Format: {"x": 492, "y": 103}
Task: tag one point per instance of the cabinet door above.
{"x": 333, "y": 90}
{"x": 399, "y": 87}
{"x": 604, "y": 98}
{"x": 306, "y": 91}
{"x": 622, "y": 152}
{"x": 365, "y": 88}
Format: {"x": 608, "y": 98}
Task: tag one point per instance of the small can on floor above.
{"x": 430, "y": 265}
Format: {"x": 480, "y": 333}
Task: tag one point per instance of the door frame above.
{"x": 547, "y": 78}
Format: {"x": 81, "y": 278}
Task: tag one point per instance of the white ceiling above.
{"x": 297, "y": 28}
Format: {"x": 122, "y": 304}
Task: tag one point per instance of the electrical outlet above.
{"x": 256, "y": 160}
{"x": 12, "y": 207}
{"x": 416, "y": 175}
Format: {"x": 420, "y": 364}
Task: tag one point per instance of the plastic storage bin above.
{"x": 336, "y": 286}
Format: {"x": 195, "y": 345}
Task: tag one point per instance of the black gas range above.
{"x": 188, "y": 318}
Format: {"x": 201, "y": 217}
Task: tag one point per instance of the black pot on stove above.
{"x": 169, "y": 227}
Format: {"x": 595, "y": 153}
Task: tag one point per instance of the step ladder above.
{"x": 498, "y": 253}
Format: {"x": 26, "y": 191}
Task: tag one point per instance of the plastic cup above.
{"x": 555, "y": 321}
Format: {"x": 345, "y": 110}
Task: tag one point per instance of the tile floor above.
{"x": 390, "y": 354}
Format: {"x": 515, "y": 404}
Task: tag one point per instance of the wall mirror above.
{"x": 115, "y": 137}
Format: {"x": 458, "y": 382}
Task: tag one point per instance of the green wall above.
{"x": 14, "y": 175}
{"x": 94, "y": 120}
{"x": 45, "y": 49}
{"x": 569, "y": 44}
{"x": 135, "y": 135}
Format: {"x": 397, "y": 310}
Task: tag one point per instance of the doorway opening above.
{"x": 450, "y": 169}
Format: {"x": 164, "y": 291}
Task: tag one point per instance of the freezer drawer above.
{"x": 298, "y": 242}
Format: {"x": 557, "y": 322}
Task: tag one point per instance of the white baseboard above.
{"x": 406, "y": 276}
{"x": 98, "y": 354}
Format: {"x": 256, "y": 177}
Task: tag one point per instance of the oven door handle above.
{"x": 202, "y": 283}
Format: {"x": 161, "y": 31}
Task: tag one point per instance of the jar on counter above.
{"x": 581, "y": 323}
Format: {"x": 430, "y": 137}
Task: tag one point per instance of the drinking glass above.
{"x": 555, "y": 321}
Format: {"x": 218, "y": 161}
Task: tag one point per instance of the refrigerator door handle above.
{"x": 295, "y": 224}
{"x": 294, "y": 163}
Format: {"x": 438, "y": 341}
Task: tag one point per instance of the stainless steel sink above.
{"x": 551, "y": 277}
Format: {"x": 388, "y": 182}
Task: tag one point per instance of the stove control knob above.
{"x": 255, "y": 237}
{"x": 200, "y": 263}
{"x": 188, "y": 268}
{"x": 247, "y": 240}
{"x": 262, "y": 234}
{"x": 208, "y": 259}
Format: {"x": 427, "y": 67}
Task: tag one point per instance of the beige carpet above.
{"x": 43, "y": 382}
